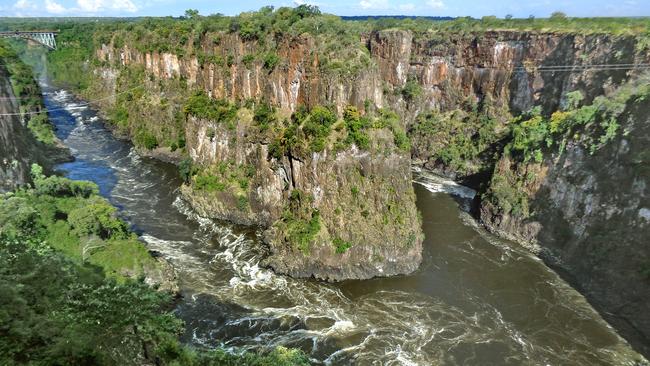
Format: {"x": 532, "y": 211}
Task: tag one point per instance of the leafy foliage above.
{"x": 264, "y": 115}
{"x": 146, "y": 139}
{"x": 318, "y": 127}
{"x": 66, "y": 303}
{"x": 341, "y": 245}
{"x": 202, "y": 106}
{"x": 463, "y": 140}
{"x": 534, "y": 137}
{"x": 411, "y": 90}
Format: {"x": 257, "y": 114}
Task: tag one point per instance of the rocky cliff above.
{"x": 26, "y": 135}
{"x": 506, "y": 65}
{"x": 589, "y": 214}
{"x": 330, "y": 214}
{"x": 16, "y": 142}
{"x": 410, "y": 73}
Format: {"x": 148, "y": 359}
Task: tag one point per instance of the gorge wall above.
{"x": 19, "y": 145}
{"x": 589, "y": 217}
{"x": 16, "y": 141}
{"x": 26, "y": 134}
{"x": 450, "y": 68}
{"x": 586, "y": 213}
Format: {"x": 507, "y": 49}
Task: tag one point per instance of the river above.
{"x": 475, "y": 300}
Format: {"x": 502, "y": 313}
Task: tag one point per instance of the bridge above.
{"x": 46, "y": 38}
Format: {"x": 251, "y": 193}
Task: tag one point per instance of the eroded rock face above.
{"x": 589, "y": 218}
{"x": 450, "y": 68}
{"x": 17, "y": 144}
{"x": 362, "y": 198}
{"x": 576, "y": 197}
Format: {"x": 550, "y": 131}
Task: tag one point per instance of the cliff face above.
{"x": 512, "y": 70}
{"x": 591, "y": 218}
{"x": 359, "y": 203}
{"x": 17, "y": 144}
{"x": 449, "y": 68}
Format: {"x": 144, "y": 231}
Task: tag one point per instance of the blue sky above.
{"x": 475, "y": 8}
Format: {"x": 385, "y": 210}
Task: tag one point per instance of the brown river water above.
{"x": 476, "y": 300}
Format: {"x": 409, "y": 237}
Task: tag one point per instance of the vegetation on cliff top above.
{"x": 71, "y": 277}
{"x": 338, "y": 45}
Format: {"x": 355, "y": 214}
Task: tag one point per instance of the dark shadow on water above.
{"x": 209, "y": 321}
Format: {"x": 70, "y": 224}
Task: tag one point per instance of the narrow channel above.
{"x": 475, "y": 300}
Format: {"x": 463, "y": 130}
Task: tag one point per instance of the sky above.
{"x": 474, "y": 8}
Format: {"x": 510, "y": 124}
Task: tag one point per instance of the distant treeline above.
{"x": 377, "y": 17}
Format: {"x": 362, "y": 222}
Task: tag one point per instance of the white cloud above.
{"x": 407, "y": 7}
{"x": 53, "y": 7}
{"x": 90, "y": 6}
{"x": 374, "y": 4}
{"x": 304, "y": 2}
{"x": 95, "y": 6}
{"x": 125, "y": 5}
{"x": 436, "y": 4}
{"x": 23, "y": 4}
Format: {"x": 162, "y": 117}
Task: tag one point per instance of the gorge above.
{"x": 304, "y": 135}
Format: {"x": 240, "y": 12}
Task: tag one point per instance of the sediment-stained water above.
{"x": 475, "y": 300}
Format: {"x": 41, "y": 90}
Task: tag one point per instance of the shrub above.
{"x": 59, "y": 186}
{"x": 301, "y": 232}
{"x": 202, "y": 106}
{"x": 264, "y": 115}
{"x": 146, "y": 139}
{"x": 242, "y": 202}
{"x": 355, "y": 192}
{"x": 41, "y": 128}
{"x": 341, "y": 245}
{"x": 187, "y": 170}
{"x": 411, "y": 90}
{"x": 271, "y": 59}
{"x": 317, "y": 127}
{"x": 248, "y": 60}
{"x": 356, "y": 127}
{"x": 99, "y": 219}
{"x": 209, "y": 183}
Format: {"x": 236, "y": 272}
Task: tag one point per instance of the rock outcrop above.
{"x": 362, "y": 202}
{"x": 16, "y": 152}
{"x": 450, "y": 68}
{"x": 590, "y": 217}
{"x": 18, "y": 146}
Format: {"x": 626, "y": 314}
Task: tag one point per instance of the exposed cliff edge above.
{"x": 16, "y": 142}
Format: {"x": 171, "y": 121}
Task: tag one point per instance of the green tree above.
{"x": 558, "y": 15}
{"x": 191, "y": 13}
